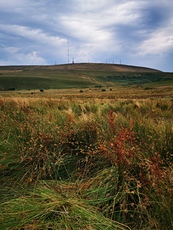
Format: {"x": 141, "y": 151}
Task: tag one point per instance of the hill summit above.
{"x": 85, "y": 67}
{"x": 104, "y": 67}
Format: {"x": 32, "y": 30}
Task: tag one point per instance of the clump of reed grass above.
{"x": 126, "y": 190}
{"x": 47, "y": 208}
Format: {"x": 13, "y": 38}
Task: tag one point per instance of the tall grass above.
{"x": 86, "y": 164}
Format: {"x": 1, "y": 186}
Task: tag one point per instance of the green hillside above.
{"x": 80, "y": 76}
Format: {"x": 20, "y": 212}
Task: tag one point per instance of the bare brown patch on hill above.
{"x": 102, "y": 67}
{"x": 84, "y": 67}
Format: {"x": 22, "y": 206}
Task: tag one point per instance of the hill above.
{"x": 82, "y": 66}
{"x": 80, "y": 75}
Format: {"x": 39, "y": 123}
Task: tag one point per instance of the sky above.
{"x": 48, "y": 32}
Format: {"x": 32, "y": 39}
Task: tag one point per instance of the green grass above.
{"x": 46, "y": 208}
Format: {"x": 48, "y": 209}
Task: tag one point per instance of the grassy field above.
{"x": 87, "y": 159}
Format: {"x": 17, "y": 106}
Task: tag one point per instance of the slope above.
{"x": 79, "y": 75}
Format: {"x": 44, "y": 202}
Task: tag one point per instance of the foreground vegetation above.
{"x": 86, "y": 163}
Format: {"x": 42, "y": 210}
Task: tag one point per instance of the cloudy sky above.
{"x": 133, "y": 32}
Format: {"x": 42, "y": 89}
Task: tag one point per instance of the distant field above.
{"x": 80, "y": 76}
{"x": 108, "y": 93}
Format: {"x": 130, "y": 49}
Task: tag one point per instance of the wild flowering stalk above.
{"x": 122, "y": 142}
{"x": 155, "y": 166}
{"x": 120, "y": 148}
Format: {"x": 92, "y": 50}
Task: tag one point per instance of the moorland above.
{"x": 86, "y": 147}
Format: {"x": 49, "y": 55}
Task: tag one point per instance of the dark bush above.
{"x": 11, "y": 88}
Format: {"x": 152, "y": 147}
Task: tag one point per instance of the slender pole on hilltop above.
{"x": 68, "y": 51}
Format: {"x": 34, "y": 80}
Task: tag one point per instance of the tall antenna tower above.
{"x": 68, "y": 51}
